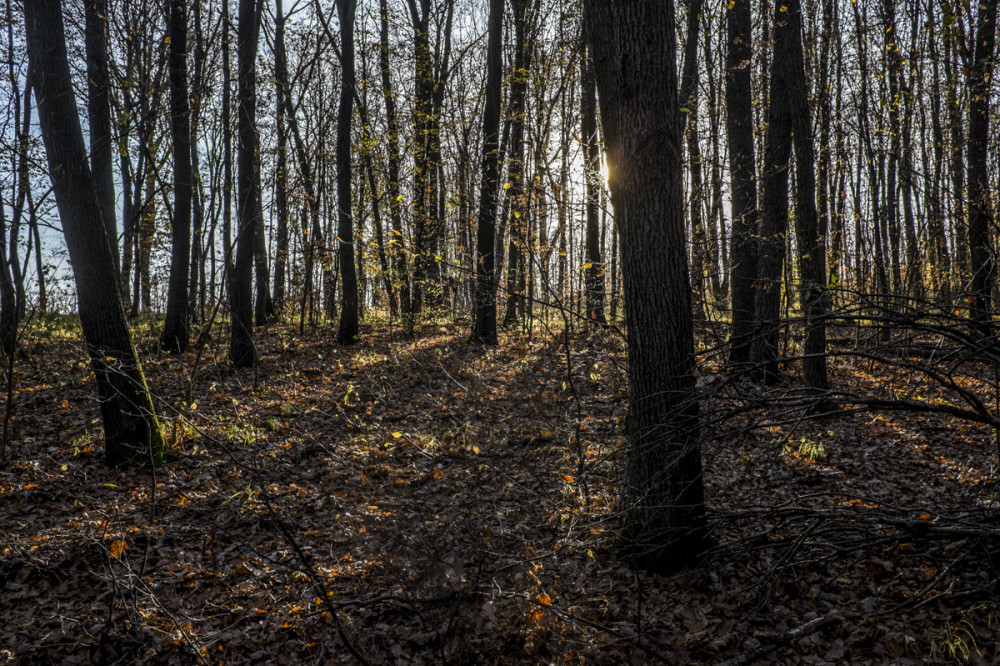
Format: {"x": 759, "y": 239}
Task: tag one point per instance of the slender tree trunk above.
{"x": 175, "y": 328}
{"x": 401, "y": 280}
{"x": 981, "y": 251}
{"x": 594, "y": 266}
{"x": 242, "y": 351}
{"x": 743, "y": 197}
{"x": 957, "y": 161}
{"x": 131, "y": 430}
{"x": 634, "y": 54}
{"x": 281, "y": 167}
{"x": 348, "y": 331}
{"x": 774, "y": 211}
{"x": 99, "y": 112}
{"x": 516, "y": 210}
{"x": 811, "y": 242}
{"x": 196, "y": 295}
{"x": 484, "y": 327}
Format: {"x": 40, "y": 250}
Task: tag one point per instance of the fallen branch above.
{"x": 782, "y": 639}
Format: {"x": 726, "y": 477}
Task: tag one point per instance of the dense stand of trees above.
{"x": 469, "y": 167}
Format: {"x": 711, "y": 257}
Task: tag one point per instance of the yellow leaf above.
{"x": 117, "y": 548}
{"x": 731, "y": 4}
{"x": 397, "y": 435}
{"x": 506, "y": 186}
{"x": 475, "y": 449}
{"x": 544, "y": 599}
{"x": 545, "y": 433}
{"x": 784, "y": 8}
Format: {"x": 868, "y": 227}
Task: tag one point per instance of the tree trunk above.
{"x": 634, "y": 52}
{"x": 281, "y": 167}
{"x": 774, "y": 211}
{"x": 516, "y": 210}
{"x": 242, "y": 352}
{"x": 401, "y": 279}
{"x": 99, "y": 113}
{"x": 594, "y": 266}
{"x": 175, "y": 328}
{"x": 743, "y": 196}
{"x": 131, "y": 430}
{"x": 348, "y": 331}
{"x": 981, "y": 252}
{"x": 811, "y": 242}
{"x": 484, "y": 327}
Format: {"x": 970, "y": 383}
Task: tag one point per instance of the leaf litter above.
{"x": 430, "y": 501}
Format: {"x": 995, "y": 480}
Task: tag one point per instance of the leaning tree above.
{"x": 131, "y": 431}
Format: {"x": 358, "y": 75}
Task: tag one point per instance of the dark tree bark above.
{"x": 981, "y": 252}
{"x": 774, "y": 211}
{"x": 484, "y": 327}
{"x": 242, "y": 351}
{"x": 281, "y": 159}
{"x": 347, "y": 331}
{"x": 12, "y": 300}
{"x": 131, "y": 430}
{"x": 743, "y": 196}
{"x": 811, "y": 242}
{"x": 594, "y": 266}
{"x": 99, "y": 113}
{"x": 634, "y": 52}
{"x": 176, "y": 333}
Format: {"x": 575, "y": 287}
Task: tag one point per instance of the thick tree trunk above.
{"x": 634, "y": 52}
{"x": 484, "y": 327}
{"x": 175, "y": 328}
{"x": 131, "y": 430}
{"x": 348, "y": 331}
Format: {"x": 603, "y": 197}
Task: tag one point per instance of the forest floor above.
{"x": 431, "y": 501}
